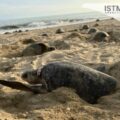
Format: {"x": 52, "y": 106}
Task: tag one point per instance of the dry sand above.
{"x": 63, "y": 103}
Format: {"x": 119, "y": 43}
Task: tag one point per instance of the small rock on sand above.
{"x": 28, "y": 41}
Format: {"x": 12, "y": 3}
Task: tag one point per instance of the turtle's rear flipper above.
{"x": 22, "y": 86}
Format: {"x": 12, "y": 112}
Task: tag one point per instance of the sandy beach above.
{"x": 73, "y": 45}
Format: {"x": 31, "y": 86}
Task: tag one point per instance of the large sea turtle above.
{"x": 89, "y": 84}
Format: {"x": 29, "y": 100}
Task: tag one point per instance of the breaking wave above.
{"x": 39, "y": 23}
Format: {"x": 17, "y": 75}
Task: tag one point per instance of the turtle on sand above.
{"x": 89, "y": 84}
{"x": 92, "y": 30}
{"x": 36, "y": 49}
{"x": 85, "y": 27}
{"x": 60, "y": 30}
{"x": 101, "y": 36}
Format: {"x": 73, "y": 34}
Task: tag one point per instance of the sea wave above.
{"x": 48, "y": 22}
{"x": 9, "y": 27}
{"x": 39, "y": 24}
{"x": 36, "y": 24}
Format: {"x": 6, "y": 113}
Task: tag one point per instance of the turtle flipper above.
{"x": 21, "y": 86}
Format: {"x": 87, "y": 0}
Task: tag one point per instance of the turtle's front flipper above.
{"x": 21, "y": 86}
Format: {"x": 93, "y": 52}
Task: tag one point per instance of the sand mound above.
{"x": 10, "y": 51}
{"x": 6, "y": 66}
{"x": 60, "y": 44}
{"x": 114, "y": 36}
{"x": 96, "y": 25}
{"x": 27, "y": 41}
{"x": 111, "y": 102}
{"x": 75, "y": 34}
{"x": 114, "y": 70}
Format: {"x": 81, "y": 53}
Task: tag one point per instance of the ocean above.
{"x": 49, "y": 21}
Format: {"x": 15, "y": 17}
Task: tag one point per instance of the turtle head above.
{"x": 30, "y": 77}
{"x": 34, "y": 77}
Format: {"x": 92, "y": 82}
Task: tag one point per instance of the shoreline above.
{"x": 52, "y": 26}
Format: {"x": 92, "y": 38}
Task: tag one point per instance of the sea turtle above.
{"x": 89, "y": 84}
{"x": 60, "y": 30}
{"x": 92, "y": 30}
{"x": 85, "y": 27}
{"x": 36, "y": 49}
{"x": 101, "y": 36}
